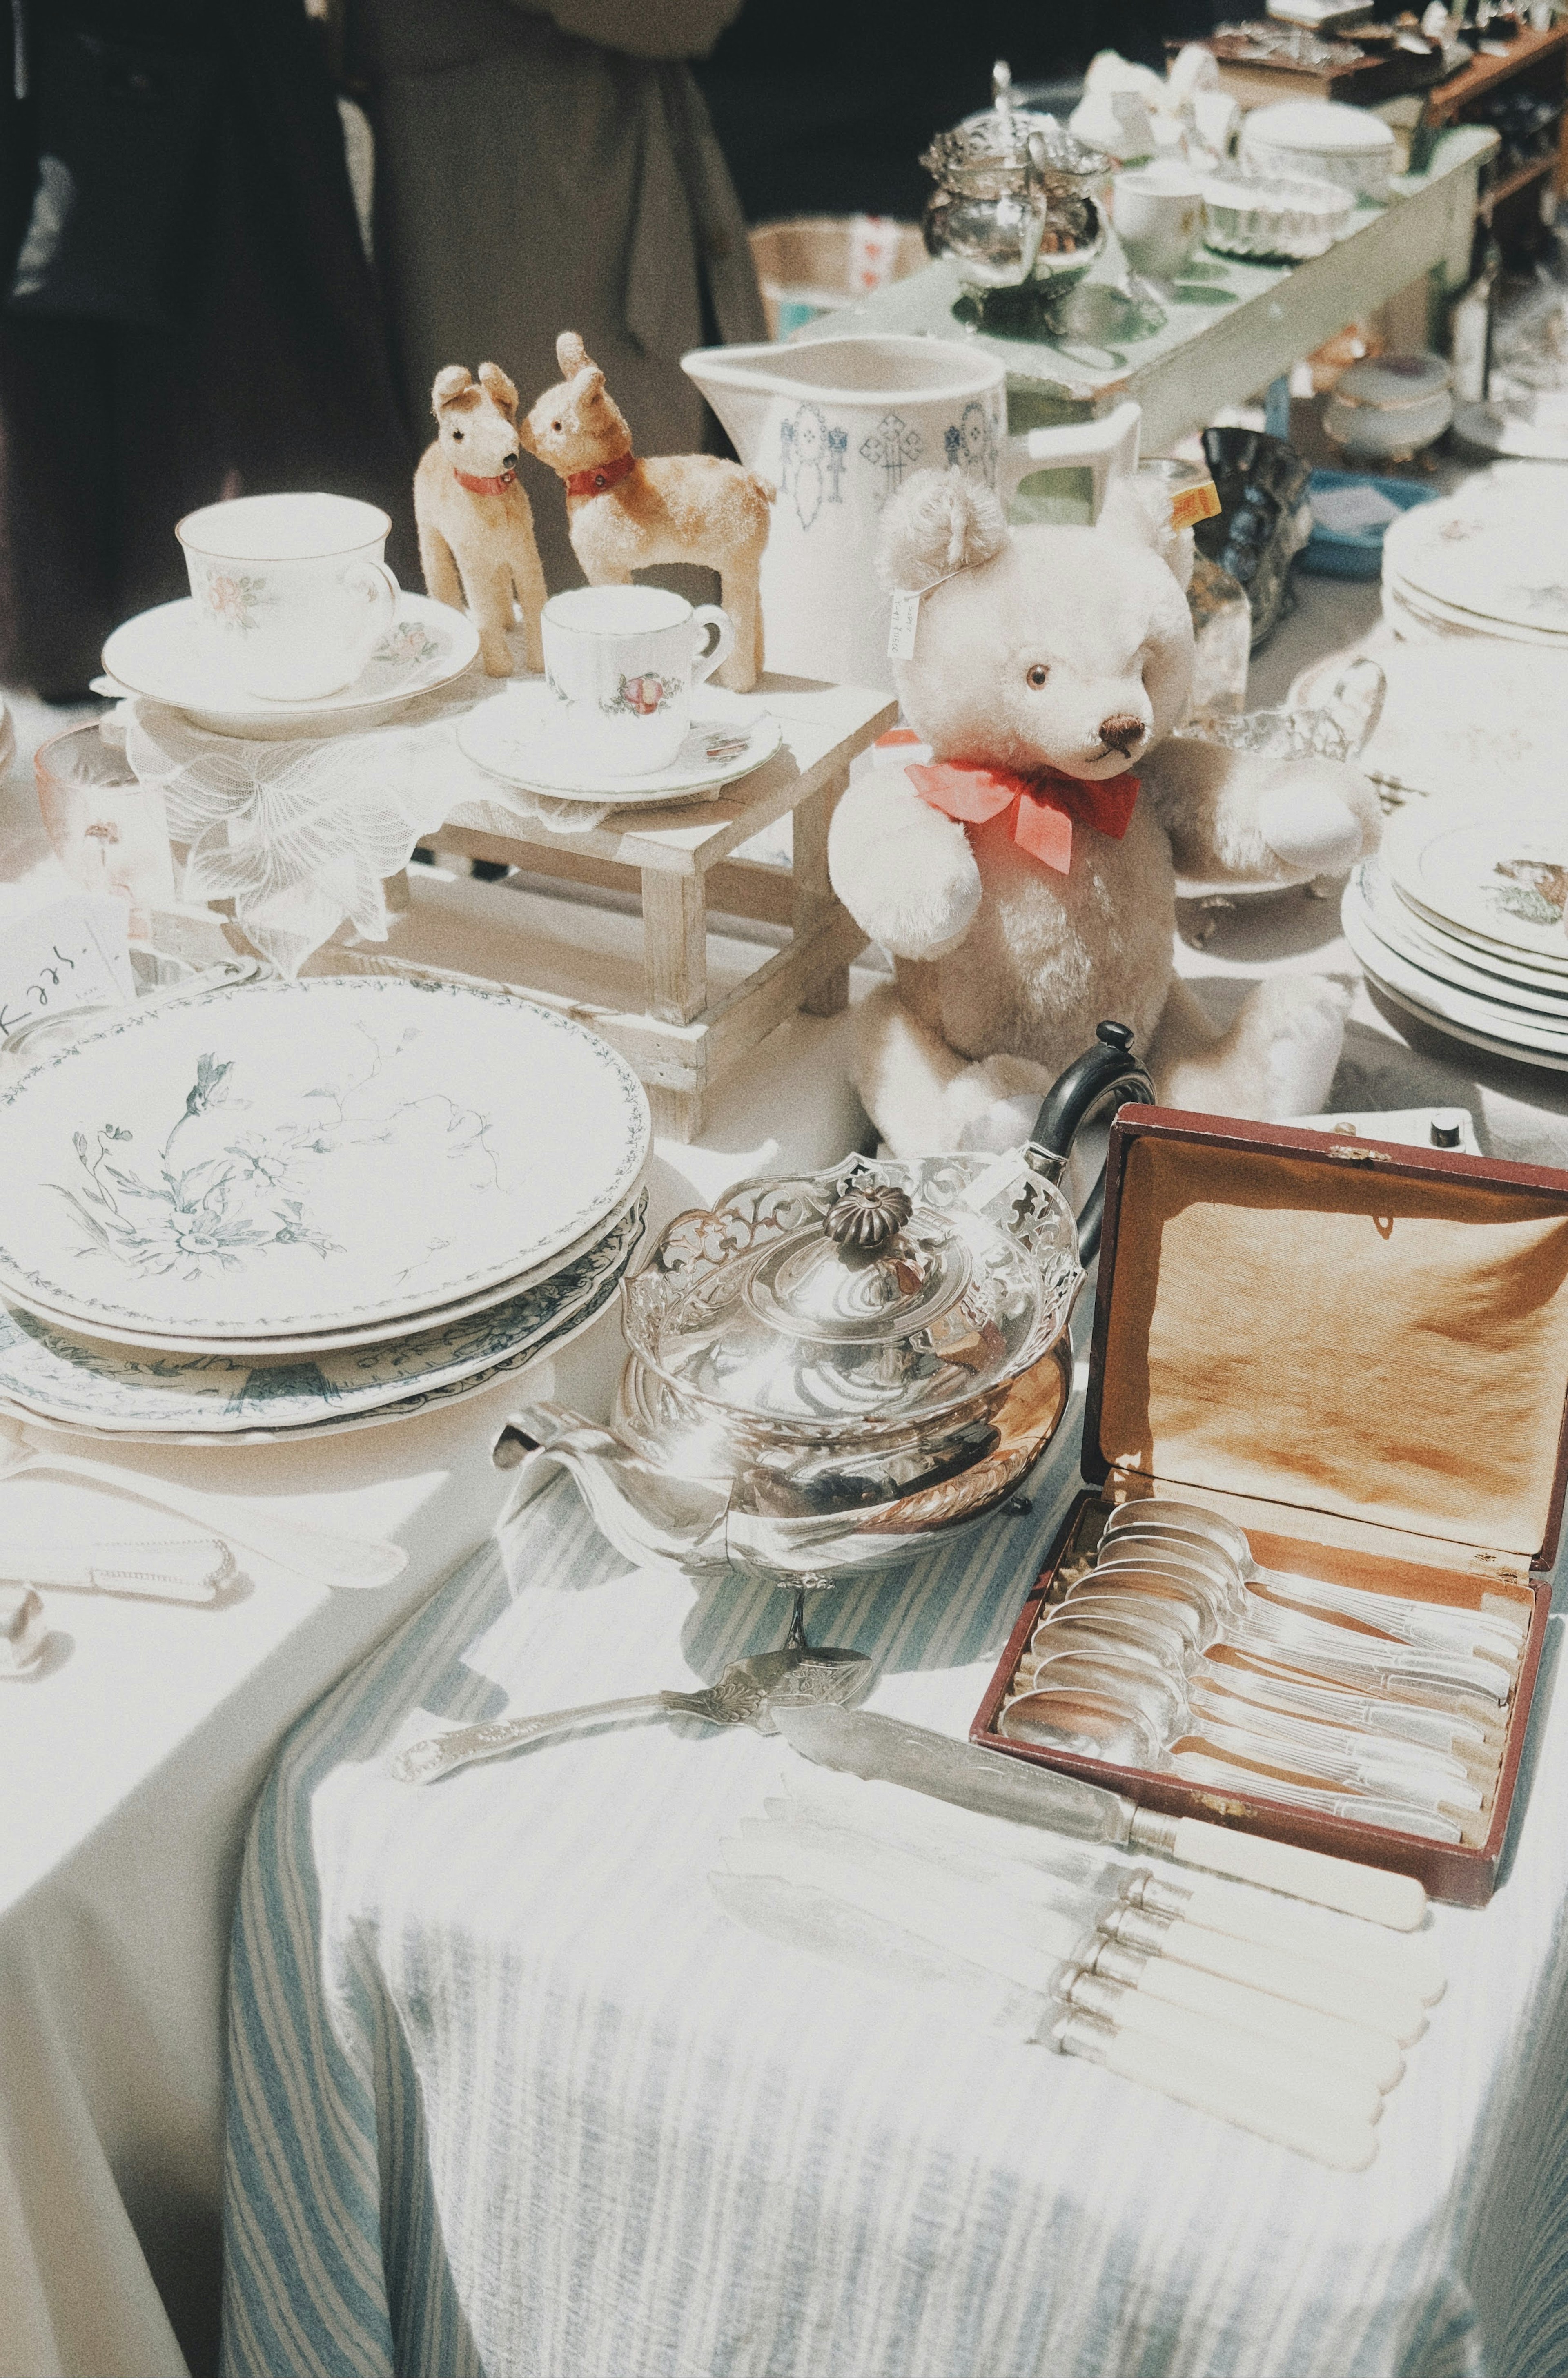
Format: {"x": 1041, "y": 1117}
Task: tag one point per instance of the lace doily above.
{"x": 302, "y": 834}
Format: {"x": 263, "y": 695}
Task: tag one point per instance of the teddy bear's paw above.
{"x": 1319, "y": 817}
{"x": 1006, "y": 1122}
{"x": 1300, "y": 1021}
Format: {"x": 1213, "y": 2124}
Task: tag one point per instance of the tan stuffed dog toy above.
{"x": 475, "y": 527}
{"x": 1024, "y": 877}
{"x": 623, "y": 514}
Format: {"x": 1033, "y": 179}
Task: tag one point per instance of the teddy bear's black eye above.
{"x": 457, "y": 435}
{"x": 1036, "y": 676}
{"x": 555, "y": 425}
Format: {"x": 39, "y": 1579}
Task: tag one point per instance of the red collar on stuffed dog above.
{"x": 1046, "y": 807}
{"x": 495, "y": 487}
{"x": 602, "y": 475}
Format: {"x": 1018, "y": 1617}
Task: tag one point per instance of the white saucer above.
{"x": 518, "y": 738}
{"x": 161, "y": 655}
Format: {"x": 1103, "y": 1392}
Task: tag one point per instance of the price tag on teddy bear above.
{"x": 903, "y": 626}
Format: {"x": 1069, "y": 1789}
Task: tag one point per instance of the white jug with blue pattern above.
{"x": 837, "y": 425}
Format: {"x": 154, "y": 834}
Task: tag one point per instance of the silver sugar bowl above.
{"x": 1018, "y": 198}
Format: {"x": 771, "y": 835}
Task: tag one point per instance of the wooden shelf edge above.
{"x": 1520, "y": 180}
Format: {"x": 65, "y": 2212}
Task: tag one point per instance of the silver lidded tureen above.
{"x": 831, "y": 1370}
{"x": 1017, "y": 198}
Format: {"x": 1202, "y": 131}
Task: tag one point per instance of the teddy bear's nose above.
{"x": 510, "y": 462}
{"x": 1121, "y": 733}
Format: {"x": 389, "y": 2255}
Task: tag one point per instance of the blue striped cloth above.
{"x": 508, "y": 2092}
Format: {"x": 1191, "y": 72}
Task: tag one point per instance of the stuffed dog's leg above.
{"x": 489, "y": 591}
{"x": 528, "y": 577}
{"x": 442, "y": 582}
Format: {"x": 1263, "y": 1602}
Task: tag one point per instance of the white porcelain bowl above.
{"x": 1256, "y": 217}
{"x": 1389, "y": 407}
{"x": 1324, "y": 141}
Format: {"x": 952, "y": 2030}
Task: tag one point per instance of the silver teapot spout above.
{"x": 648, "y": 1513}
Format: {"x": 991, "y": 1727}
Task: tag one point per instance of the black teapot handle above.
{"x": 1106, "y": 1077}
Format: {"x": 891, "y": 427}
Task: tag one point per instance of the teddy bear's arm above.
{"x": 904, "y": 871}
{"x": 1228, "y": 813}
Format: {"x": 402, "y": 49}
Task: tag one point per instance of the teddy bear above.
{"x": 625, "y": 514}
{"x": 475, "y": 524}
{"x": 1023, "y": 877}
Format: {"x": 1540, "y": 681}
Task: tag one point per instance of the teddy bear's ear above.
{"x": 450, "y": 383}
{"x": 498, "y": 387}
{"x": 588, "y": 386}
{"x": 570, "y": 354}
{"x": 939, "y": 521}
{"x": 1138, "y": 512}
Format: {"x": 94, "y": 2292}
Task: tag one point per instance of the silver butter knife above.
{"x": 861, "y": 1742}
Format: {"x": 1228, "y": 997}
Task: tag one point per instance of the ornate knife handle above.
{"x": 441, "y": 1754}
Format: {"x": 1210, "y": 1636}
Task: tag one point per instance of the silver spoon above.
{"x": 1433, "y": 1626}
{"x": 1138, "y": 1637}
{"x": 1093, "y": 1727}
{"x": 1340, "y": 1754}
{"x": 1320, "y": 1642}
{"x": 746, "y": 1694}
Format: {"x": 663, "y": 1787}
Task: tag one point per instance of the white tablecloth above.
{"x": 127, "y": 1774}
{"x": 510, "y": 2093}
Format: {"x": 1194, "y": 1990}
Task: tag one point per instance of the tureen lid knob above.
{"x": 866, "y": 1217}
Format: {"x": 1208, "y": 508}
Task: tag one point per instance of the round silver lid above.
{"x": 882, "y": 1295}
{"x": 992, "y": 154}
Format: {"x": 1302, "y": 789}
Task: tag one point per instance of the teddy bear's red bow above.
{"x": 1046, "y": 807}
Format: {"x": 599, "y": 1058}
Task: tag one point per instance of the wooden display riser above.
{"x": 679, "y": 862}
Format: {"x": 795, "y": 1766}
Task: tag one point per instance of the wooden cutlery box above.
{"x": 1357, "y": 1352}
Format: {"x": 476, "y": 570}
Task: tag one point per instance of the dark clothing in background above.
{"x": 208, "y": 327}
{"x": 823, "y": 106}
{"x": 546, "y": 168}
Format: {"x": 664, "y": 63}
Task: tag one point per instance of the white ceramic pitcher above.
{"x": 838, "y": 424}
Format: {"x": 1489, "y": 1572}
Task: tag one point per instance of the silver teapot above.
{"x": 830, "y": 1371}
{"x": 1017, "y": 198}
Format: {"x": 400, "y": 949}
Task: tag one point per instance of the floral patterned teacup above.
{"x": 624, "y": 662}
{"x": 291, "y": 594}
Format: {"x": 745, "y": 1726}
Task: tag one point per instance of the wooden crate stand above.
{"x": 681, "y": 859}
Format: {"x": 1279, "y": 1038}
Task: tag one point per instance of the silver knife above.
{"x": 861, "y": 1742}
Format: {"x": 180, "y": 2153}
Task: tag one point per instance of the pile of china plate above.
{"x": 1461, "y": 922}
{"x": 1489, "y": 561}
{"x": 292, "y": 1207}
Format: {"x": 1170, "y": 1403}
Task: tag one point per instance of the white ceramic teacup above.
{"x": 291, "y": 594}
{"x": 1159, "y": 214}
{"x": 624, "y": 662}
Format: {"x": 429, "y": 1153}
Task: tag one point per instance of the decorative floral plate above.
{"x": 1466, "y": 966}
{"x": 261, "y": 1426}
{"x": 81, "y": 1382}
{"x": 1493, "y": 553}
{"x": 310, "y": 1343}
{"x": 1477, "y": 1023}
{"x": 298, "y": 1157}
{"x": 518, "y": 736}
{"x": 161, "y": 654}
{"x": 1489, "y": 873}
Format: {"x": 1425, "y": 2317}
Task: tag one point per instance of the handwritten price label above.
{"x": 75, "y": 952}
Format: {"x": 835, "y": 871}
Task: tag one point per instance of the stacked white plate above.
{"x": 293, "y": 1208}
{"x": 1461, "y": 922}
{"x": 1491, "y": 561}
